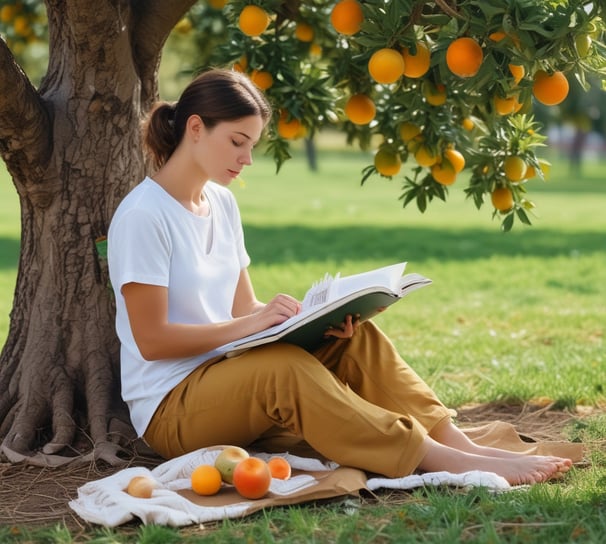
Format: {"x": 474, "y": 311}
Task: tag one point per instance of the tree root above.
{"x": 106, "y": 451}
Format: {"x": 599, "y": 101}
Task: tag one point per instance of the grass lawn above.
{"x": 516, "y": 317}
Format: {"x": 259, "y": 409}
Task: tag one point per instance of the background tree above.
{"x": 448, "y": 85}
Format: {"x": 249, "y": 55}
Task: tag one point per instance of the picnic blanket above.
{"x": 105, "y": 501}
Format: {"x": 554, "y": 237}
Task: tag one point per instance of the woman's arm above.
{"x": 157, "y": 338}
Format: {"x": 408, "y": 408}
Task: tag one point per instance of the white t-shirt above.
{"x": 155, "y": 240}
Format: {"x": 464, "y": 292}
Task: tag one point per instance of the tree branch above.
{"x": 446, "y": 8}
{"x": 152, "y": 22}
{"x": 25, "y": 126}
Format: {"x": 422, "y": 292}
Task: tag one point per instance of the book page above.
{"x": 388, "y": 277}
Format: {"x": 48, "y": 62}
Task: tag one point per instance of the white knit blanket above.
{"x": 105, "y": 501}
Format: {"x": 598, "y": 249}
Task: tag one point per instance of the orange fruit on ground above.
{"x": 141, "y": 487}
{"x": 517, "y": 71}
{"x": 550, "y": 89}
{"x": 262, "y": 79}
{"x": 252, "y": 478}
{"x": 387, "y": 162}
{"x": 434, "y": 94}
{"x": 206, "y": 480}
{"x": 416, "y": 65}
{"x": 346, "y": 17}
{"x": 514, "y": 168}
{"x": 464, "y": 57}
{"x": 386, "y": 65}
{"x": 443, "y": 173}
{"x": 502, "y": 199}
{"x": 408, "y": 131}
{"x": 253, "y": 20}
{"x": 304, "y": 32}
{"x": 425, "y": 156}
{"x": 280, "y": 468}
{"x": 455, "y": 158}
{"x": 288, "y": 128}
{"x": 360, "y": 109}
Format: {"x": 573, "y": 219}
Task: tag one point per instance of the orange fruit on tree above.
{"x": 252, "y": 478}
{"x": 583, "y": 43}
{"x": 530, "y": 172}
{"x": 455, "y": 158}
{"x": 434, "y": 94}
{"x": 346, "y": 17}
{"x": 206, "y": 480}
{"x": 514, "y": 168}
{"x": 550, "y": 89}
{"x": 184, "y": 26}
{"x": 253, "y": 20}
{"x": 443, "y": 173}
{"x": 464, "y": 57}
{"x": 387, "y": 162}
{"x": 425, "y": 156}
{"x": 416, "y": 65}
{"x": 502, "y": 199}
{"x": 468, "y": 124}
{"x": 304, "y": 32}
{"x": 262, "y": 79}
{"x": 288, "y": 129}
{"x": 517, "y": 71}
{"x": 217, "y": 4}
{"x": 545, "y": 167}
{"x": 386, "y": 65}
{"x": 360, "y": 109}
{"x": 408, "y": 131}
{"x": 497, "y": 36}
{"x": 279, "y": 467}
{"x": 315, "y": 50}
{"x": 505, "y": 105}
{"x": 241, "y": 64}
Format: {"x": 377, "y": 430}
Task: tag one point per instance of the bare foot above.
{"x": 517, "y": 470}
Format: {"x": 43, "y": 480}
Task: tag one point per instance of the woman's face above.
{"x": 222, "y": 151}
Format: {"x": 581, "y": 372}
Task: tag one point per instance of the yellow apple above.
{"x": 227, "y": 460}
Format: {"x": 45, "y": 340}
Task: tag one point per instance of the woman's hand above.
{"x": 345, "y": 330}
{"x": 279, "y": 309}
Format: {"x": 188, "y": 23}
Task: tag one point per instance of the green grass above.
{"x": 511, "y": 317}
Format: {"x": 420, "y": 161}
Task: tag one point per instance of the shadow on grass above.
{"x": 9, "y": 253}
{"x": 272, "y": 245}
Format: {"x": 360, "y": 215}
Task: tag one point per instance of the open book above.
{"x": 329, "y": 301}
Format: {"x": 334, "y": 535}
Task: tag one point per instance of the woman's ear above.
{"x": 195, "y": 126}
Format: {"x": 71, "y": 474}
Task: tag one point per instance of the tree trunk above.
{"x": 73, "y": 150}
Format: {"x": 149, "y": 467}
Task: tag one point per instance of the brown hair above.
{"x": 216, "y": 95}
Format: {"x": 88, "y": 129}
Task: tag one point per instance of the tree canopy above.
{"x": 444, "y": 86}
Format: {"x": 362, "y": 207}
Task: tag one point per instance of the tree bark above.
{"x": 73, "y": 150}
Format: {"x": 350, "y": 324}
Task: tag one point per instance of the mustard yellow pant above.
{"x": 353, "y": 401}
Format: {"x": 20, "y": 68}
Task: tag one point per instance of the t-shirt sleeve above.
{"x": 138, "y": 250}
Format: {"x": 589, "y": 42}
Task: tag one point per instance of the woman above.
{"x": 178, "y": 265}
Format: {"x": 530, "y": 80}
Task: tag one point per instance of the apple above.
{"x": 227, "y": 460}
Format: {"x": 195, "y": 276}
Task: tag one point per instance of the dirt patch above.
{"x": 33, "y": 496}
